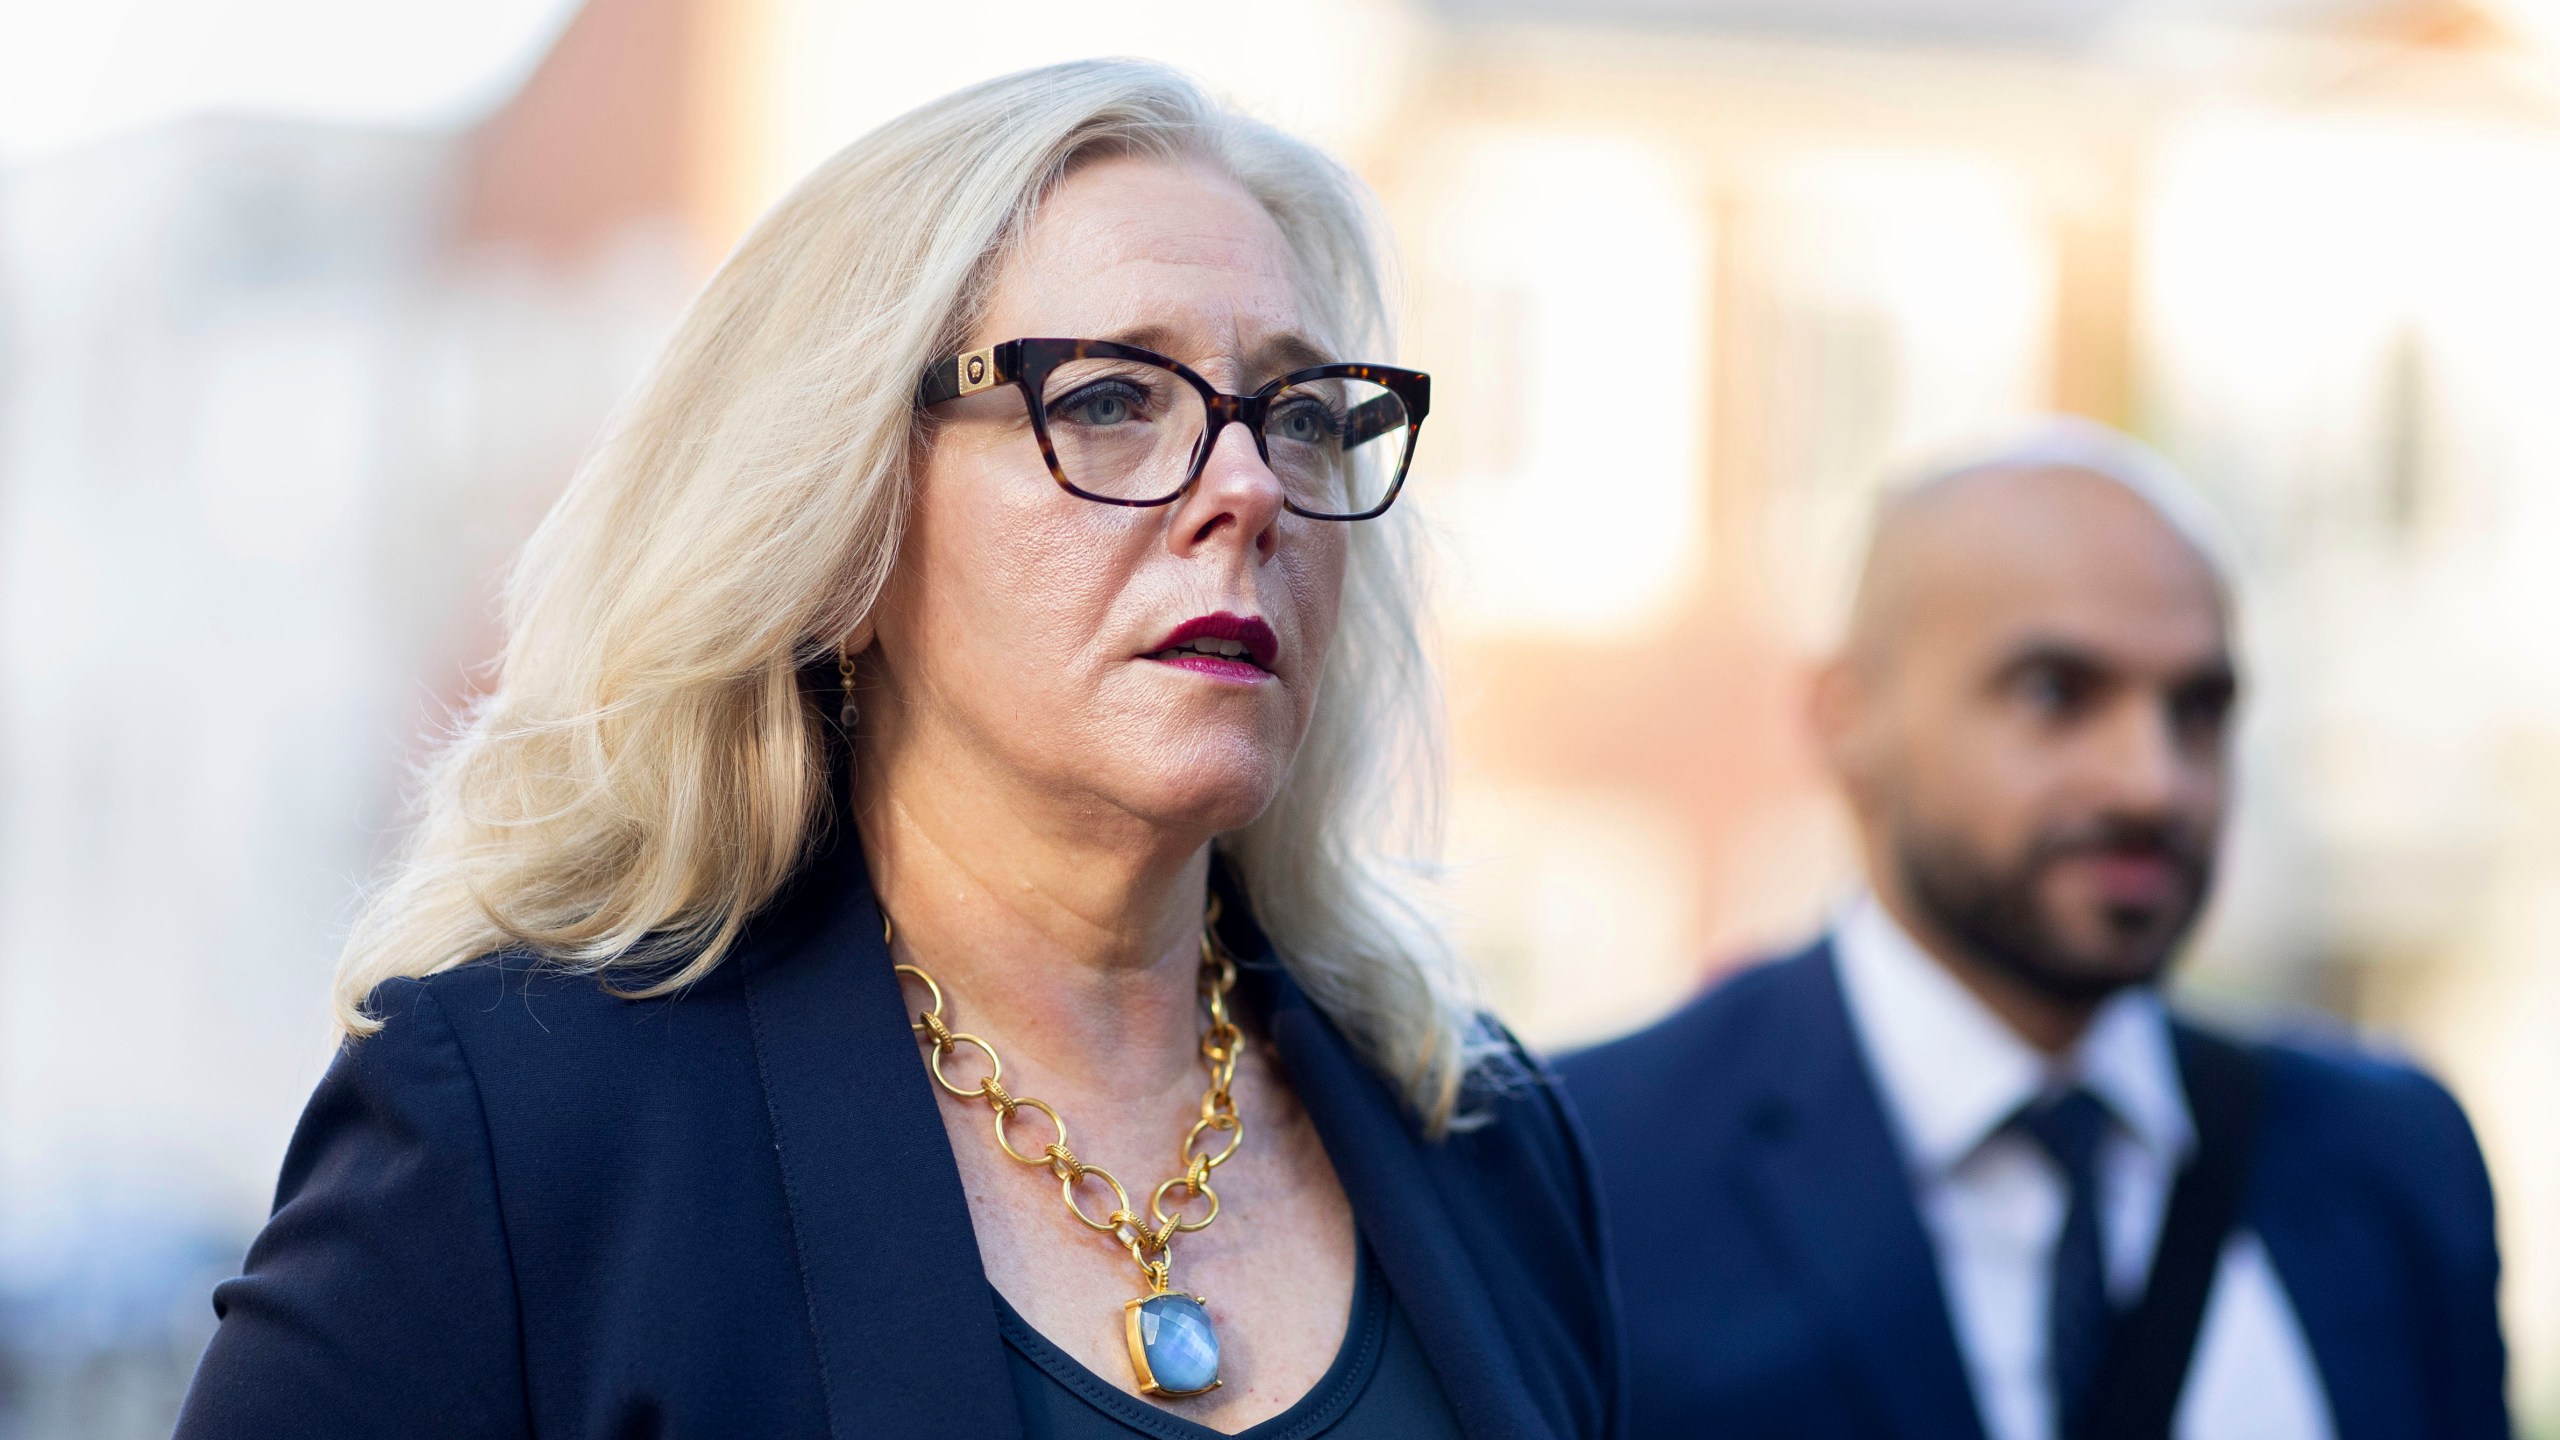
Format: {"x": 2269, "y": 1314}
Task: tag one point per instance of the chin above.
{"x": 2125, "y": 943}
{"x": 1205, "y": 809}
{"x": 1209, "y": 787}
{"x": 2103, "y": 959}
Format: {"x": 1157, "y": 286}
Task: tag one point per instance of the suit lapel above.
{"x": 1831, "y": 1187}
{"x": 1398, "y": 1201}
{"x": 905, "y": 1324}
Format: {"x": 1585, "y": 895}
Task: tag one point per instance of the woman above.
{"x": 903, "y": 949}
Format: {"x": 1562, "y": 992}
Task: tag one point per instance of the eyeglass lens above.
{"x": 1127, "y": 430}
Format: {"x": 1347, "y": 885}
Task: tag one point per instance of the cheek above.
{"x": 1982, "y": 780}
{"x": 1314, "y": 570}
{"x": 1002, "y": 591}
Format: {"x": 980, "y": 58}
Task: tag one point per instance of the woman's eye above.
{"x": 1101, "y": 405}
{"x": 1304, "y": 423}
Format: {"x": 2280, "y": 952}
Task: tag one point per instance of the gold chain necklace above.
{"x": 1172, "y": 1344}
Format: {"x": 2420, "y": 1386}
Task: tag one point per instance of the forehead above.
{"x": 2070, "y": 557}
{"x": 1133, "y": 242}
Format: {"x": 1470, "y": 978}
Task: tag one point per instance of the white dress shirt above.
{"x": 1952, "y": 1074}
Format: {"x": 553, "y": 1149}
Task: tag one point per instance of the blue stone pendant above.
{"x": 1172, "y": 1345}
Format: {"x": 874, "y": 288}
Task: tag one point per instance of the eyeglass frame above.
{"x": 1026, "y": 363}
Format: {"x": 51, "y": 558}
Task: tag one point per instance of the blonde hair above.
{"x": 650, "y": 766}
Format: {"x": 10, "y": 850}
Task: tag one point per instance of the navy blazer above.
{"x": 1777, "y": 1279}
{"x": 529, "y": 1208}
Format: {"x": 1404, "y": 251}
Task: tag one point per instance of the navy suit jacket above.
{"x": 1777, "y": 1279}
{"x": 527, "y": 1208}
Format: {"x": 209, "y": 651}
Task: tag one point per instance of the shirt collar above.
{"x": 1952, "y": 1072}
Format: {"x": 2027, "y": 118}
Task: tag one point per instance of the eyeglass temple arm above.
{"x": 1374, "y": 418}
{"x": 969, "y": 372}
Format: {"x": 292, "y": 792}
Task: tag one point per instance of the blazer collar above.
{"x": 1396, "y": 1182}
{"x": 897, "y": 1296}
{"x": 1832, "y": 1189}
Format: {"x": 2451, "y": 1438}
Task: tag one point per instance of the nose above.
{"x": 2146, "y": 771}
{"x": 1236, "y": 501}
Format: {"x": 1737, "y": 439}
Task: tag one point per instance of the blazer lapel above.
{"x": 1381, "y": 1162}
{"x": 898, "y": 1301}
{"x": 1831, "y": 1187}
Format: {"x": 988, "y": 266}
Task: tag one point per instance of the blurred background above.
{"x": 307, "y": 309}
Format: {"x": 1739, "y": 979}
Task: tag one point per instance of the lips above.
{"x": 1221, "y": 646}
{"x": 2133, "y": 878}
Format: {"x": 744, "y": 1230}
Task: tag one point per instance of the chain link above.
{"x": 1220, "y": 1046}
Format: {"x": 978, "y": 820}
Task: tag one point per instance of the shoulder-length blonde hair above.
{"x": 649, "y": 767}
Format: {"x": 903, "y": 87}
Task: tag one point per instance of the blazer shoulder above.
{"x": 554, "y": 1054}
{"x": 1513, "y": 1098}
{"x": 516, "y": 1002}
{"x": 2379, "y": 1101}
{"x": 385, "y": 1267}
{"x": 1528, "y": 1147}
{"x": 2351, "y": 1117}
{"x": 1518, "y": 1129}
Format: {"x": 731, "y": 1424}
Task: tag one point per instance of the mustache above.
{"x": 2129, "y": 837}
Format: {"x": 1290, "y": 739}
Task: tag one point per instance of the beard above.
{"x": 1999, "y": 915}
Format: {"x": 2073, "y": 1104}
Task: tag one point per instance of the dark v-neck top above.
{"x": 1379, "y": 1387}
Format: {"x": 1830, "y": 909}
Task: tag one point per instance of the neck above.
{"x": 1073, "y": 937}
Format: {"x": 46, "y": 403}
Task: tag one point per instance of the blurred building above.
{"x": 277, "y": 399}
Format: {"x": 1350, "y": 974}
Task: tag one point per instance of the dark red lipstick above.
{"x": 1223, "y": 646}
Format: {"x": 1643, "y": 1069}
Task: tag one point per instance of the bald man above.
{"x": 1955, "y": 1172}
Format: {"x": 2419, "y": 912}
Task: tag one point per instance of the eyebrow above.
{"x": 2217, "y": 669}
{"x": 2049, "y": 650}
{"x": 1278, "y": 355}
{"x": 2045, "y": 653}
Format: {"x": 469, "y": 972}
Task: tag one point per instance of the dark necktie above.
{"x": 2069, "y": 1126}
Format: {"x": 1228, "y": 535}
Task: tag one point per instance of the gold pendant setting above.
{"x": 1172, "y": 1344}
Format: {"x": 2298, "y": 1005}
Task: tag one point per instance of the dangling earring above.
{"x": 851, "y": 714}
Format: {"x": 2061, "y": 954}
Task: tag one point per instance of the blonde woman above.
{"x": 905, "y": 949}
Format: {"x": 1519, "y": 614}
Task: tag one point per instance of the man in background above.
{"x": 1955, "y": 1171}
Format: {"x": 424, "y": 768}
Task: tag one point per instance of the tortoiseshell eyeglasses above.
{"x": 1126, "y": 426}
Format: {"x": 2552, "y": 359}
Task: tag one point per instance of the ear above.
{"x": 859, "y": 639}
{"x": 1836, "y": 706}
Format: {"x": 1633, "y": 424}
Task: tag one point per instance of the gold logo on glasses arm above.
{"x": 978, "y": 371}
